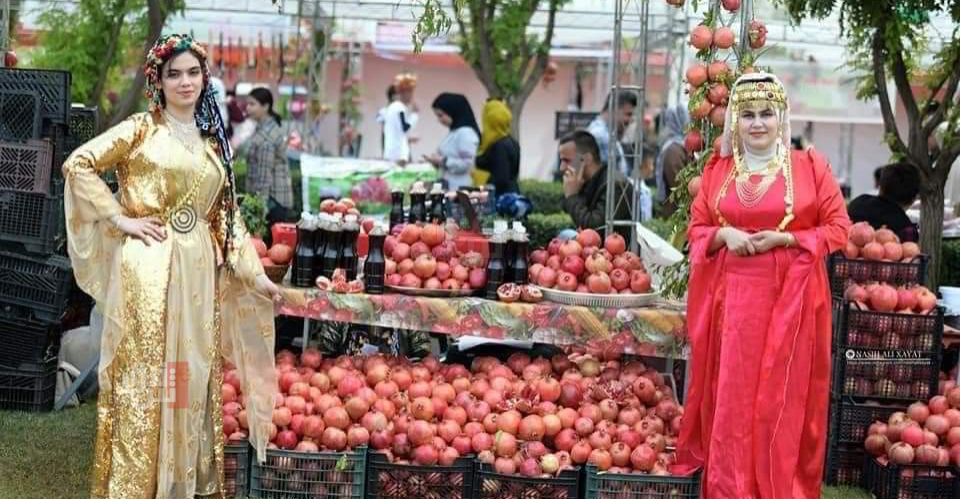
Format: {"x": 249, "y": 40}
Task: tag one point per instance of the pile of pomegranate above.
{"x": 582, "y": 265}
{"x": 882, "y": 297}
{"x": 425, "y": 256}
{"x": 278, "y": 254}
{"x": 234, "y": 415}
{"x": 534, "y": 417}
{"x": 927, "y": 433}
{"x": 878, "y": 245}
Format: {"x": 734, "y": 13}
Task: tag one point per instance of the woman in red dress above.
{"x": 759, "y": 306}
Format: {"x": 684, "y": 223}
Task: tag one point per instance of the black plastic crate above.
{"x": 850, "y": 420}
{"x": 29, "y": 388}
{"x": 84, "y": 123}
{"x": 41, "y": 284}
{"x": 843, "y": 270}
{"x": 912, "y": 481}
{"x": 492, "y": 485}
{"x": 844, "y": 465}
{"x": 386, "y": 480}
{"x": 24, "y": 341}
{"x": 52, "y": 86}
{"x": 236, "y": 468}
{"x": 26, "y": 166}
{"x": 31, "y": 221}
{"x": 640, "y": 485}
{"x": 920, "y": 334}
{"x": 886, "y": 381}
{"x": 301, "y": 475}
{"x": 19, "y": 115}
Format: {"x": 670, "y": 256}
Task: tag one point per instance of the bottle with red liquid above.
{"x": 519, "y": 267}
{"x": 348, "y": 246}
{"x": 436, "y": 204}
{"x": 418, "y": 206}
{"x": 496, "y": 265}
{"x": 321, "y": 237}
{"x": 397, "y": 216}
{"x": 375, "y": 266}
{"x": 331, "y": 250}
{"x": 509, "y": 250}
{"x": 302, "y": 273}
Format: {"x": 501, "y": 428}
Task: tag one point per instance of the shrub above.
{"x": 544, "y": 227}
{"x": 547, "y": 197}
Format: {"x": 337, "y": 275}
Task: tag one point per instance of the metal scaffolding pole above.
{"x": 613, "y": 200}
{"x": 4, "y": 31}
{"x": 613, "y": 108}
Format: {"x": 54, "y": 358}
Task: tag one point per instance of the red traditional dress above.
{"x": 760, "y": 330}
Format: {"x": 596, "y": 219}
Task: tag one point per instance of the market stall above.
{"x": 659, "y": 329}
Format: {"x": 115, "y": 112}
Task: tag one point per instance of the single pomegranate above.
{"x": 693, "y": 142}
{"x": 723, "y": 38}
{"x": 697, "y": 75}
{"x": 701, "y": 37}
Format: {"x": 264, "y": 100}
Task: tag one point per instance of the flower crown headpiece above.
{"x": 759, "y": 92}
{"x": 162, "y": 51}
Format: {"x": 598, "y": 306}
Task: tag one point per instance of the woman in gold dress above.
{"x": 178, "y": 282}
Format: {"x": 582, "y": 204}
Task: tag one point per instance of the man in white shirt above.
{"x": 600, "y": 128}
{"x": 400, "y": 117}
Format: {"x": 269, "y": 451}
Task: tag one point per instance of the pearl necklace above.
{"x": 188, "y": 134}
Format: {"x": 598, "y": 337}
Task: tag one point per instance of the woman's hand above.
{"x": 767, "y": 240}
{"x": 143, "y": 229}
{"x": 265, "y": 286}
{"x": 737, "y": 241}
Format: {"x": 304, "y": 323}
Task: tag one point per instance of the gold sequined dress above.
{"x": 171, "y": 310}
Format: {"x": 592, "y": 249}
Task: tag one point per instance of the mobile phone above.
{"x": 577, "y": 164}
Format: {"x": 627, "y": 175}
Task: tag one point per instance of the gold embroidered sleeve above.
{"x": 106, "y": 152}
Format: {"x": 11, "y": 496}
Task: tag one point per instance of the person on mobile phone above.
{"x": 585, "y": 184}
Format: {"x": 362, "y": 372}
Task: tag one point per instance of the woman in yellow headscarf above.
{"x": 498, "y": 157}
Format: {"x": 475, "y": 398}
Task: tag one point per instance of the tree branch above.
{"x": 157, "y": 13}
{"x": 948, "y": 99}
{"x": 905, "y": 90}
{"x": 482, "y": 65}
{"x": 533, "y": 77}
{"x": 880, "y": 80}
{"x": 115, "y": 28}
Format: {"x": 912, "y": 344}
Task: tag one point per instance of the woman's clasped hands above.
{"x": 745, "y": 244}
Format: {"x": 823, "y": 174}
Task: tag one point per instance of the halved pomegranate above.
{"x": 531, "y": 294}
{"x": 508, "y": 292}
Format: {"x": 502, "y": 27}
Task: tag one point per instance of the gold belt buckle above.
{"x": 184, "y": 219}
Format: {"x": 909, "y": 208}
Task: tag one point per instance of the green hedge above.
{"x": 950, "y": 263}
{"x": 544, "y": 227}
{"x": 547, "y": 197}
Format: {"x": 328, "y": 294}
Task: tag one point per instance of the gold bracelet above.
{"x": 791, "y": 241}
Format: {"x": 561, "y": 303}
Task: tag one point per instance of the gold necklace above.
{"x": 782, "y": 164}
{"x": 750, "y": 193}
{"x": 188, "y": 134}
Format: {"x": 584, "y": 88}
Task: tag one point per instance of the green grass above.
{"x": 47, "y": 456}
{"x": 43, "y": 456}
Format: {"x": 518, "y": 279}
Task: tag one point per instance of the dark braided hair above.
{"x": 211, "y": 124}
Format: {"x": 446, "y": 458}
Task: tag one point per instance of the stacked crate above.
{"x": 882, "y": 362}
{"x": 35, "y": 275}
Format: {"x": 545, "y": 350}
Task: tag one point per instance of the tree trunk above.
{"x": 157, "y": 13}
{"x": 931, "y": 228}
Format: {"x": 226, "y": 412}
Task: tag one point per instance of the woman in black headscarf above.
{"x": 456, "y": 155}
